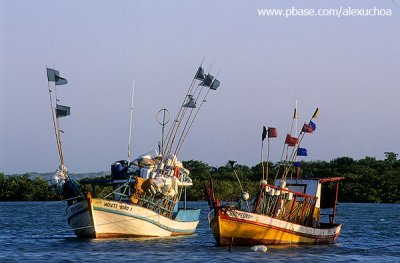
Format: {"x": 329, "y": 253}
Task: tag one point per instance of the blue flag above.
{"x": 312, "y": 124}
{"x": 301, "y": 152}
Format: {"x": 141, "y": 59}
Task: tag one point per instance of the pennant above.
{"x": 297, "y": 164}
{"x": 207, "y": 81}
{"x": 301, "y": 152}
{"x": 200, "y": 74}
{"x": 291, "y": 141}
{"x": 295, "y": 114}
{"x": 264, "y": 133}
{"x": 315, "y": 115}
{"x": 215, "y": 84}
{"x": 62, "y": 111}
{"x": 272, "y": 132}
{"x": 191, "y": 103}
{"x": 54, "y": 75}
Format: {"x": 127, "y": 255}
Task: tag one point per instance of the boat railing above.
{"x": 287, "y": 205}
{"x": 163, "y": 205}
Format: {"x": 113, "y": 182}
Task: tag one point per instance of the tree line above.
{"x": 366, "y": 180}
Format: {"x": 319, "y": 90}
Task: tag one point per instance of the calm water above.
{"x": 37, "y": 231}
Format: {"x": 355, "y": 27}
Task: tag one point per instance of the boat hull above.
{"x": 233, "y": 227}
{"x": 117, "y": 219}
{"x": 80, "y": 219}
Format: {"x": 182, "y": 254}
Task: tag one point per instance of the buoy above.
{"x": 259, "y": 248}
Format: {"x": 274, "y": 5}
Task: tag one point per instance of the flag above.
{"x": 272, "y": 132}
{"x": 307, "y": 128}
{"x": 301, "y": 152}
{"x": 232, "y": 163}
{"x": 291, "y": 141}
{"x": 191, "y": 103}
{"x": 295, "y": 114}
{"x": 215, "y": 84}
{"x": 315, "y": 115}
{"x": 297, "y": 164}
{"x": 54, "y": 75}
{"x": 200, "y": 74}
{"x": 264, "y": 133}
{"x": 313, "y": 126}
{"x": 62, "y": 111}
{"x": 207, "y": 81}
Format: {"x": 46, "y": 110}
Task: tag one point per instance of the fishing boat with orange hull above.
{"x": 286, "y": 211}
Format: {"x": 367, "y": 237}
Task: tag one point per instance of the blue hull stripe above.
{"x": 145, "y": 219}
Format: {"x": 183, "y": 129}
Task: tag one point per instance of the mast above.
{"x": 130, "y": 124}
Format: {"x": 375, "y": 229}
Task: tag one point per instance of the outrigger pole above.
{"x": 130, "y": 124}
{"x": 177, "y": 121}
{"x": 57, "y": 111}
{"x": 300, "y": 138}
{"x": 183, "y": 137}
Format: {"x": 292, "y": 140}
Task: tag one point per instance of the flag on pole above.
{"x": 315, "y": 115}
{"x": 307, "y": 128}
{"x": 272, "y": 132}
{"x": 297, "y": 164}
{"x": 54, "y": 75}
{"x": 200, "y": 74}
{"x": 207, "y": 81}
{"x": 301, "y": 152}
{"x": 215, "y": 84}
{"x": 295, "y": 113}
{"x": 264, "y": 133}
{"x": 191, "y": 103}
{"x": 291, "y": 141}
{"x": 62, "y": 111}
{"x": 313, "y": 126}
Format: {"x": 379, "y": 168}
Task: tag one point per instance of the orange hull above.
{"x": 244, "y": 228}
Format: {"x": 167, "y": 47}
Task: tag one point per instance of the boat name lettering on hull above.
{"x": 239, "y": 215}
{"x": 111, "y": 205}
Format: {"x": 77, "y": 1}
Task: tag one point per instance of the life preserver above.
{"x": 177, "y": 172}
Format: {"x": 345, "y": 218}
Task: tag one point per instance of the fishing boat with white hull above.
{"x": 144, "y": 201}
{"x": 286, "y": 211}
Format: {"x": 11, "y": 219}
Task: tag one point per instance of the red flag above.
{"x": 272, "y": 132}
{"x": 307, "y": 128}
{"x": 291, "y": 141}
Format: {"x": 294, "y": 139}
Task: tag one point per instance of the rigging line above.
{"x": 54, "y": 121}
{"x": 130, "y": 124}
{"x": 58, "y": 130}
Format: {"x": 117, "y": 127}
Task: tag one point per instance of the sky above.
{"x": 348, "y": 67}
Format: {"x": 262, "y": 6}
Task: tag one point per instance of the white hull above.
{"x": 115, "y": 219}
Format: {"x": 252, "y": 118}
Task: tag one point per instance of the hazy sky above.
{"x": 349, "y": 67}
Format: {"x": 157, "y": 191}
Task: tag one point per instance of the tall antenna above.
{"x": 130, "y": 124}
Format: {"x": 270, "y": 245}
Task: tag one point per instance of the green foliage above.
{"x": 22, "y": 188}
{"x": 367, "y": 180}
